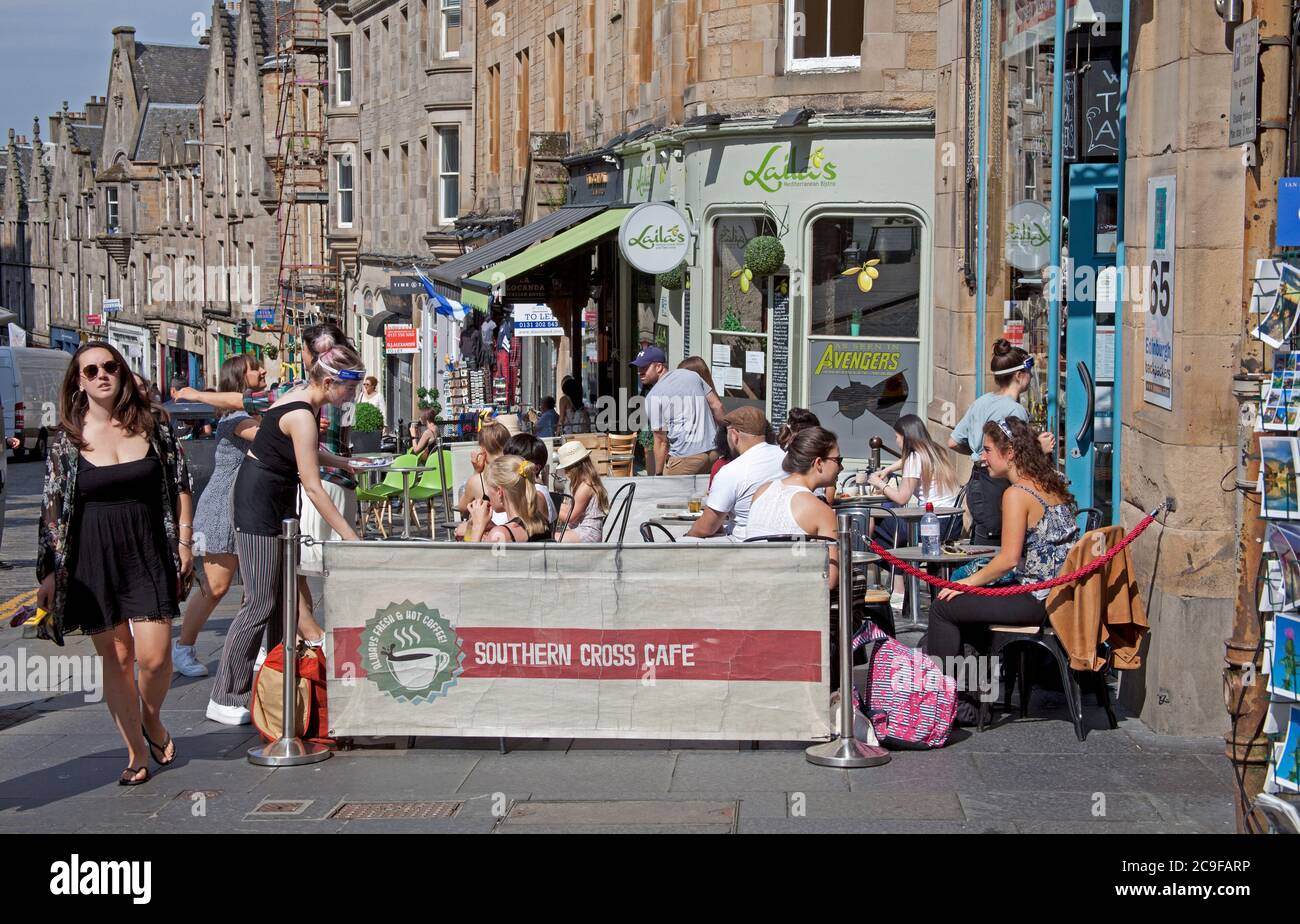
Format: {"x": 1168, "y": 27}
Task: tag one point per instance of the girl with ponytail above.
{"x": 510, "y": 489}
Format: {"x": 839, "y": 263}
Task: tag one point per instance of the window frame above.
{"x": 340, "y": 161}
{"x": 711, "y": 220}
{"x": 795, "y": 65}
{"x": 112, "y": 210}
{"x": 444, "y": 218}
{"x": 444, "y": 6}
{"x": 340, "y": 71}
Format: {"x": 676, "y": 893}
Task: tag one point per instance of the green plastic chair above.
{"x": 390, "y": 487}
{"x": 429, "y": 486}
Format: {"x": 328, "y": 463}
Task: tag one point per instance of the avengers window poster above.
{"x": 859, "y": 389}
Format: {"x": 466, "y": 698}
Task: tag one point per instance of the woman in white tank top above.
{"x": 789, "y": 506}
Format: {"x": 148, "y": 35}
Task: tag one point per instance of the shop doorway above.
{"x": 1089, "y": 335}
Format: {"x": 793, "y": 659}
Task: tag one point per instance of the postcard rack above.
{"x": 1277, "y": 423}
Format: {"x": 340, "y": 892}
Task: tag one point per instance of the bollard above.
{"x": 846, "y": 752}
{"x": 289, "y": 750}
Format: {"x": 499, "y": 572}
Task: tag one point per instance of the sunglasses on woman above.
{"x": 91, "y": 370}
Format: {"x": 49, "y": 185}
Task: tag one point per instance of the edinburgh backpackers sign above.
{"x": 860, "y": 388}
{"x": 430, "y": 650}
{"x": 655, "y": 237}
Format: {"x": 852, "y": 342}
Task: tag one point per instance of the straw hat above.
{"x": 570, "y": 453}
{"x": 510, "y": 422}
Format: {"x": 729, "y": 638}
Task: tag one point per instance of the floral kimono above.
{"x": 58, "y": 532}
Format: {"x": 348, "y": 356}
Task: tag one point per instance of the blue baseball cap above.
{"x": 651, "y": 354}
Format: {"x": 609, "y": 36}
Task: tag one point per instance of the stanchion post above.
{"x": 846, "y": 752}
{"x": 289, "y": 750}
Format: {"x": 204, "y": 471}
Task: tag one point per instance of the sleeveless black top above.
{"x": 266, "y": 490}
{"x": 543, "y": 536}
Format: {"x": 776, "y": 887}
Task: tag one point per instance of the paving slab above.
{"x": 754, "y": 771}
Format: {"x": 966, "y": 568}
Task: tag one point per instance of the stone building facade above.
{"x": 1179, "y": 69}
{"x": 400, "y": 140}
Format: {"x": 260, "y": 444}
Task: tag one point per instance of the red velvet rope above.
{"x": 1013, "y": 589}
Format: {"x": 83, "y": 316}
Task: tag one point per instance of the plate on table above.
{"x": 969, "y": 549}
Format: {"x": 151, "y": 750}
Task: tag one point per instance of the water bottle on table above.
{"x": 930, "y": 532}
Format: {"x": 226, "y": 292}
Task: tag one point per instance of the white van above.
{"x": 30, "y": 379}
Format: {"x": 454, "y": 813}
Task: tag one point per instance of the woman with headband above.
{"x": 284, "y": 455}
{"x": 1012, "y": 368}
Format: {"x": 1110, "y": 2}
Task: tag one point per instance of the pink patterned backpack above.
{"x": 910, "y": 702}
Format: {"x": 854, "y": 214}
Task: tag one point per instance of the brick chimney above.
{"x": 95, "y": 110}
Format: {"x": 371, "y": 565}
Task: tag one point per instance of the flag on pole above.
{"x": 443, "y": 305}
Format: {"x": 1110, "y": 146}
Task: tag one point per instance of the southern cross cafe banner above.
{"x": 574, "y": 641}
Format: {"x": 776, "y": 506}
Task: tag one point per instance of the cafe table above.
{"x": 371, "y": 468}
{"x": 947, "y": 561}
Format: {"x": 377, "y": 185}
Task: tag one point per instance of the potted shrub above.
{"x": 367, "y": 428}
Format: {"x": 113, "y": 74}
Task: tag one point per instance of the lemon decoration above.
{"x": 867, "y": 274}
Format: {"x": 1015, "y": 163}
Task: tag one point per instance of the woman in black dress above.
{"x": 115, "y": 543}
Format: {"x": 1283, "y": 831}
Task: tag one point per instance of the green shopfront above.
{"x": 842, "y": 325}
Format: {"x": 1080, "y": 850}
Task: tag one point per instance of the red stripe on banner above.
{"x": 621, "y": 654}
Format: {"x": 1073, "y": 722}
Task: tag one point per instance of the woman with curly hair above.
{"x": 1038, "y": 528}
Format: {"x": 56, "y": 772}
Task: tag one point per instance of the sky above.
{"x": 52, "y": 50}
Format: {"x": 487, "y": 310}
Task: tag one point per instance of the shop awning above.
{"x": 447, "y": 277}
{"x": 478, "y": 288}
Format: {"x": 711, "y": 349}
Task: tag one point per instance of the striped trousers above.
{"x": 261, "y": 568}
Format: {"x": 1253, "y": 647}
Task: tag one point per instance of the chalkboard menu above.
{"x": 1099, "y": 104}
{"x": 1069, "y": 117}
{"x": 778, "y": 384}
{"x": 686, "y": 316}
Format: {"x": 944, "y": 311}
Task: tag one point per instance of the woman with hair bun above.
{"x": 510, "y": 489}
{"x": 796, "y": 419}
{"x": 790, "y": 506}
{"x": 1012, "y": 373}
{"x": 285, "y": 454}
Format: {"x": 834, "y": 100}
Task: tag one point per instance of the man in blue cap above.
{"x": 677, "y": 406}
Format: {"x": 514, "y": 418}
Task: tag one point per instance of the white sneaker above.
{"x": 185, "y": 662}
{"x": 228, "y": 715}
{"x": 261, "y": 656}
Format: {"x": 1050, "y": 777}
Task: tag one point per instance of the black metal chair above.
{"x": 1023, "y": 640}
{"x": 617, "y": 512}
{"x": 558, "y": 498}
{"x": 647, "y": 531}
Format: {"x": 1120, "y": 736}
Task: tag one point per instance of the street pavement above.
{"x": 60, "y": 758}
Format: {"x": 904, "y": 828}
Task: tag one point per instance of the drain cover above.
{"x": 626, "y": 813}
{"x": 280, "y": 808}
{"x": 365, "y": 811}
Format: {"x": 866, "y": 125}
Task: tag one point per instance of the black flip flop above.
{"x": 153, "y": 748}
{"x": 123, "y": 781}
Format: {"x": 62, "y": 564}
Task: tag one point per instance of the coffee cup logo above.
{"x": 411, "y": 652}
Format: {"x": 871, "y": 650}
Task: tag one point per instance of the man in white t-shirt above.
{"x": 757, "y": 463}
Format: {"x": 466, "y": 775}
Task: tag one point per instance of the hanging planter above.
{"x": 764, "y": 255}
{"x": 272, "y": 352}
{"x": 674, "y": 279}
